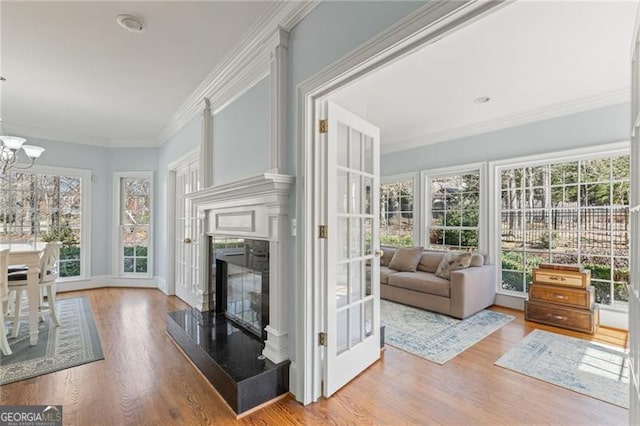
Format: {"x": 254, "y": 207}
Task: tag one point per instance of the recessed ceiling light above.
{"x": 481, "y": 100}
{"x": 130, "y": 23}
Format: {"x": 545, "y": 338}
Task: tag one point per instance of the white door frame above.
{"x": 171, "y": 218}
{"x": 422, "y": 27}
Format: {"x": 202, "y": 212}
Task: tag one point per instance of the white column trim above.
{"x": 278, "y": 96}
{"x": 206, "y": 147}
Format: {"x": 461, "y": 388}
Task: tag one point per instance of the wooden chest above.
{"x": 585, "y": 320}
{"x": 567, "y": 296}
{"x": 577, "y": 279}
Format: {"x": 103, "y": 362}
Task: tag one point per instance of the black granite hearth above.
{"x": 229, "y": 357}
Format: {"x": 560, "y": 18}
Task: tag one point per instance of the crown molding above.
{"x": 245, "y": 65}
{"x": 547, "y": 112}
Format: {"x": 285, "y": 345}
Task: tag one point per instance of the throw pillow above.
{"x": 453, "y": 262}
{"x": 406, "y": 259}
{"x": 387, "y": 255}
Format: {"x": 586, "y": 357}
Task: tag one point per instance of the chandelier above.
{"x": 10, "y": 148}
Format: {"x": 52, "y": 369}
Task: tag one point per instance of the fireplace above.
{"x": 239, "y": 281}
{"x": 237, "y": 333}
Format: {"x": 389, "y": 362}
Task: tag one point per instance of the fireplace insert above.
{"x": 239, "y": 282}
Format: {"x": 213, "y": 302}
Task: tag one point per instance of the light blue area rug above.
{"x": 432, "y": 336}
{"x": 74, "y": 343}
{"x": 589, "y": 368}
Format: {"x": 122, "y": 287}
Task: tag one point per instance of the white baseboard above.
{"x": 162, "y": 285}
{"x": 101, "y": 281}
{"x": 615, "y": 319}
{"x": 512, "y": 302}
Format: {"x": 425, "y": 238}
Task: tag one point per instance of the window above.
{"x": 134, "y": 227}
{"x": 43, "y": 205}
{"x": 396, "y": 213}
{"x": 453, "y": 210}
{"x": 567, "y": 212}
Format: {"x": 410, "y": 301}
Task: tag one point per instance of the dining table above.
{"x": 29, "y": 256}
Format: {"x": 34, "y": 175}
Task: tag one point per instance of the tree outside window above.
{"x": 574, "y": 212}
{"x": 454, "y": 211}
{"x": 396, "y": 213}
{"x": 37, "y": 208}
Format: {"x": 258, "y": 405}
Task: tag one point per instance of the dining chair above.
{"x": 4, "y": 300}
{"x": 47, "y": 281}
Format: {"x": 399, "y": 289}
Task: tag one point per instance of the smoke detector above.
{"x": 130, "y": 23}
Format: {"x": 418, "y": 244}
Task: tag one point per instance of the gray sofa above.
{"x": 466, "y": 292}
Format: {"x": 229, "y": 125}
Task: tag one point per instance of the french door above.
{"x": 187, "y": 234}
{"x": 352, "y": 316}
{"x": 634, "y": 291}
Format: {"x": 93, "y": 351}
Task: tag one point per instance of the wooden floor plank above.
{"x": 145, "y": 379}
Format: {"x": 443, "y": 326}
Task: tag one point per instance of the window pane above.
{"x": 586, "y": 221}
{"x": 34, "y": 208}
{"x": 455, "y": 206}
{"x": 396, "y": 213}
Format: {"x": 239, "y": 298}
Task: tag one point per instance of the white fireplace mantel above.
{"x": 257, "y": 208}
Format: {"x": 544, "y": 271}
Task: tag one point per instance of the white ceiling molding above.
{"x": 245, "y": 65}
{"x": 543, "y": 113}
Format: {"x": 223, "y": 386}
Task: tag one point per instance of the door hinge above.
{"x": 323, "y": 126}
{"x": 322, "y": 232}
{"x": 322, "y": 339}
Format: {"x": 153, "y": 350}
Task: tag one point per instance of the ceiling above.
{"x": 73, "y": 74}
{"x": 534, "y": 59}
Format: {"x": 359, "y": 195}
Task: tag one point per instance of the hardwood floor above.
{"x": 145, "y": 379}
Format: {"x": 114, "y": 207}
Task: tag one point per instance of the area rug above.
{"x": 589, "y": 368}
{"x": 74, "y": 343}
{"x": 432, "y": 336}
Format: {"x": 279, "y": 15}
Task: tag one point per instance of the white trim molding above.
{"x": 258, "y": 208}
{"x": 102, "y": 281}
{"x": 248, "y": 63}
{"x": 547, "y": 112}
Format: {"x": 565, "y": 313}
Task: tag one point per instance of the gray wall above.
{"x": 594, "y": 127}
{"x": 241, "y": 136}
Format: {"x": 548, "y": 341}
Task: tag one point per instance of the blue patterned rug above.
{"x": 432, "y": 336}
{"x": 74, "y": 343}
{"x": 589, "y": 368}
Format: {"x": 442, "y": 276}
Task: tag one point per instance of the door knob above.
{"x": 379, "y": 253}
{"x": 187, "y": 240}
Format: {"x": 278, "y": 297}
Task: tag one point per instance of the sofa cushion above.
{"x": 384, "y": 274}
{"x": 430, "y": 260}
{"x": 477, "y": 260}
{"x": 406, "y": 259}
{"x": 387, "y": 255}
{"x": 423, "y": 282}
{"x": 453, "y": 262}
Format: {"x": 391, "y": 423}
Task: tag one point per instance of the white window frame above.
{"x": 414, "y": 177}
{"x": 425, "y": 178}
{"x": 117, "y": 252}
{"x": 495, "y": 169}
{"x": 85, "y": 214}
